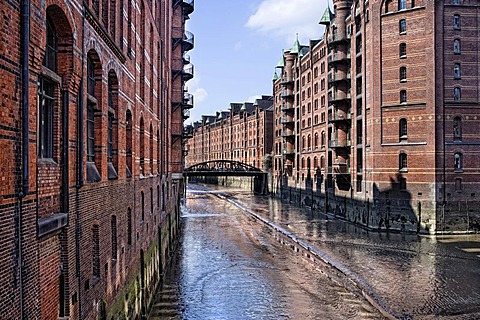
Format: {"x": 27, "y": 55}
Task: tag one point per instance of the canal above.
{"x": 230, "y": 266}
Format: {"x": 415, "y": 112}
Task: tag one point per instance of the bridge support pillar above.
{"x": 260, "y": 184}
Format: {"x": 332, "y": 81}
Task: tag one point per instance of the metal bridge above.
{"x": 225, "y": 168}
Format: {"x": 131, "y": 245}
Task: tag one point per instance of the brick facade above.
{"x": 402, "y": 111}
{"x": 244, "y": 134}
{"x": 90, "y": 235}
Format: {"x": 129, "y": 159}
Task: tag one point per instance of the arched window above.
{"x": 151, "y": 155}
{"x": 129, "y": 226}
{"x": 403, "y": 50}
{"x": 403, "y": 129}
{"x": 402, "y": 162}
{"x": 456, "y": 71}
{"x": 315, "y": 162}
{"x": 142, "y": 147}
{"x": 323, "y": 139}
{"x": 128, "y": 144}
{"x": 403, "y": 74}
{"x": 456, "y": 21}
{"x": 114, "y": 237}
{"x": 457, "y": 128}
{"x": 315, "y": 140}
{"x": 322, "y": 162}
{"x": 458, "y": 159}
{"x": 309, "y": 142}
{"x": 303, "y": 143}
{"x": 457, "y": 94}
{"x": 112, "y": 125}
{"x": 403, "y": 96}
{"x": 457, "y": 49}
{"x": 94, "y": 124}
{"x": 402, "y": 26}
{"x": 402, "y": 4}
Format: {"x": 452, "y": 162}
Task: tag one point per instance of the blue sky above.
{"x": 239, "y": 42}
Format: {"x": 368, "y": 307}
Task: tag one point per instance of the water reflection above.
{"x": 418, "y": 277}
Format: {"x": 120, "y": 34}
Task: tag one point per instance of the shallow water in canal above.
{"x": 229, "y": 267}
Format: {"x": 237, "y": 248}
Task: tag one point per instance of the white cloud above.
{"x": 253, "y": 98}
{"x": 285, "y": 18}
{"x": 237, "y": 46}
{"x": 200, "y": 95}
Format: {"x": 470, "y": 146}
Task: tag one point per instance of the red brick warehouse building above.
{"x": 91, "y": 132}
{"x": 243, "y": 133}
{"x": 396, "y": 140}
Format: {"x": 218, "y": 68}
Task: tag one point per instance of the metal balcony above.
{"x": 286, "y": 106}
{"x": 187, "y": 73}
{"x": 340, "y": 144}
{"x": 338, "y": 77}
{"x": 187, "y": 133}
{"x": 287, "y": 133}
{"x": 187, "y": 100}
{"x": 186, "y": 59}
{"x": 286, "y": 94}
{"x": 341, "y": 168}
{"x": 339, "y": 116}
{"x": 288, "y": 152}
{"x": 186, "y": 114}
{"x": 285, "y": 120}
{"x": 286, "y": 81}
{"x": 188, "y": 41}
{"x": 338, "y": 96}
{"x": 188, "y": 7}
{"x": 337, "y": 57}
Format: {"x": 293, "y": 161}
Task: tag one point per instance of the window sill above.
{"x": 403, "y": 170}
{"x": 92, "y": 173}
{"x": 458, "y": 170}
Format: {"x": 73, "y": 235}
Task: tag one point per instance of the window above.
{"x": 402, "y": 162}
{"x": 46, "y": 98}
{"x": 51, "y": 50}
{"x": 457, "y": 94}
{"x": 403, "y": 74}
{"x": 112, "y": 125}
{"x": 402, "y": 26}
{"x": 95, "y": 253}
{"x": 456, "y": 21}
{"x": 402, "y": 4}
{"x": 456, "y": 71}
{"x": 114, "y": 237}
{"x": 142, "y": 203}
{"x": 323, "y": 139}
{"x": 90, "y": 134}
{"x": 142, "y": 147}
{"x": 458, "y": 184}
{"x": 129, "y": 226}
{"x": 129, "y": 143}
{"x": 456, "y": 46}
{"x": 403, "y": 50}
{"x": 315, "y": 140}
{"x": 457, "y": 128}
{"x": 403, "y": 129}
{"x": 457, "y": 161}
{"x": 403, "y": 96}
{"x": 456, "y": 2}
{"x": 402, "y": 182}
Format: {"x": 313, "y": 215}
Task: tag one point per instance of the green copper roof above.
{"x": 296, "y": 46}
{"x": 281, "y": 62}
{"x": 275, "y": 76}
{"x": 327, "y": 17}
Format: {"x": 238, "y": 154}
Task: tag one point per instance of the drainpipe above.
{"x": 25, "y": 35}
{"x": 65, "y": 126}
{"x": 79, "y": 182}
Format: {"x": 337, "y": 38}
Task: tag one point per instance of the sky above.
{"x": 238, "y": 43}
